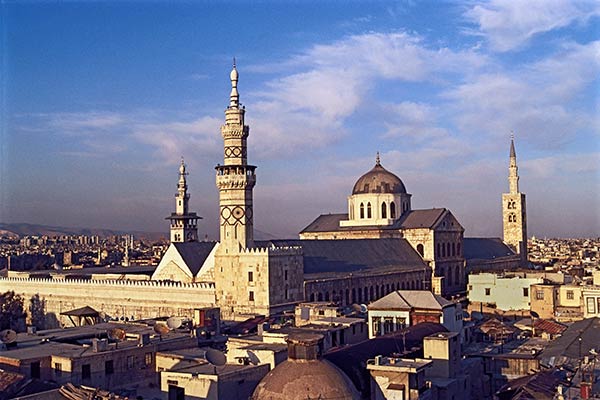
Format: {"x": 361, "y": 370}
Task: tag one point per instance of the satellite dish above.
{"x": 161, "y": 329}
{"x": 356, "y": 307}
{"x": 215, "y": 357}
{"x": 174, "y": 322}
{"x": 534, "y": 314}
{"x": 363, "y": 308}
{"x": 254, "y": 360}
{"x": 117, "y": 334}
{"x": 8, "y": 336}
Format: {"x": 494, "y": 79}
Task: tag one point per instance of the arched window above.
{"x": 420, "y": 249}
{"x": 326, "y": 296}
{"x": 453, "y": 248}
{"x": 449, "y": 277}
{"x": 383, "y": 210}
{"x": 354, "y": 300}
{"x": 347, "y": 296}
{"x": 376, "y": 291}
{"x": 443, "y": 250}
{"x": 439, "y": 251}
{"x": 458, "y": 249}
{"x": 392, "y": 210}
{"x": 362, "y": 210}
{"x": 457, "y": 276}
{"x": 365, "y": 294}
{"x": 448, "y": 249}
{"x": 320, "y": 297}
{"x": 312, "y": 297}
{"x": 369, "y": 210}
{"x": 333, "y": 296}
{"x": 371, "y": 293}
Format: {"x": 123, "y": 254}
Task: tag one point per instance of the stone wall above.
{"x": 113, "y": 299}
{"x": 364, "y": 289}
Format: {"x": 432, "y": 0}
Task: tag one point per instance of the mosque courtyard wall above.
{"x": 112, "y": 299}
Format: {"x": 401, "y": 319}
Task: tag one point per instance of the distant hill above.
{"x": 22, "y": 229}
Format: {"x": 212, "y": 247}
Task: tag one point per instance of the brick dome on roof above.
{"x": 378, "y": 180}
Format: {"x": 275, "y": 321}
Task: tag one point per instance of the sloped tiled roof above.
{"x": 407, "y": 299}
{"x": 412, "y": 219}
{"x": 194, "y": 254}
{"x": 422, "y": 218}
{"x": 549, "y": 326}
{"x": 323, "y": 258}
{"x": 326, "y": 223}
{"x": 485, "y": 248}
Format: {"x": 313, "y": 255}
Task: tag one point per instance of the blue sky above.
{"x": 101, "y": 99}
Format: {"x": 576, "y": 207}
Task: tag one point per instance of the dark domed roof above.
{"x": 305, "y": 379}
{"x": 378, "y": 180}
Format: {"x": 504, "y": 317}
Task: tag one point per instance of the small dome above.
{"x": 378, "y": 180}
{"x": 234, "y": 74}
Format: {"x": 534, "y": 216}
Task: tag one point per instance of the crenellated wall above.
{"x": 116, "y": 299}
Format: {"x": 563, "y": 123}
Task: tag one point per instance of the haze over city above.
{"x": 101, "y": 100}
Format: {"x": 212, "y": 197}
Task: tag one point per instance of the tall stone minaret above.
{"x": 184, "y": 224}
{"x": 514, "y": 214}
{"x": 235, "y": 179}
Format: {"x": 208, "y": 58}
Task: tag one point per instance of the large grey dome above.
{"x": 378, "y": 180}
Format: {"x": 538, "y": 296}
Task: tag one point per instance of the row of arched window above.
{"x": 512, "y": 205}
{"x": 448, "y": 249}
{"x": 452, "y": 275}
{"x": 365, "y": 294}
{"x": 384, "y": 210}
{"x": 512, "y": 217}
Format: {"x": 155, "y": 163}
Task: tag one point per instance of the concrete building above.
{"x": 403, "y": 308}
{"x": 506, "y": 292}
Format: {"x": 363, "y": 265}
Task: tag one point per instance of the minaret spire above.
{"x": 184, "y": 225}
{"x": 235, "y": 178}
{"x": 513, "y": 170}
{"x": 513, "y": 209}
{"x": 377, "y": 159}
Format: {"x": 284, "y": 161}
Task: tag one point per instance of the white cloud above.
{"x": 509, "y": 24}
{"x": 307, "y": 107}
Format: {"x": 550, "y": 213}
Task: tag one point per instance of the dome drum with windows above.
{"x": 378, "y": 198}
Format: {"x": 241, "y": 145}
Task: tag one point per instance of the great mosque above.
{"x": 380, "y": 245}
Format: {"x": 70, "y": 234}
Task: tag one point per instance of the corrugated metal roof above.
{"x": 485, "y": 248}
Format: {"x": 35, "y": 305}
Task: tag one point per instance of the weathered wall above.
{"x": 144, "y": 299}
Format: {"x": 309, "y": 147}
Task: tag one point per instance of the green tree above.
{"x": 12, "y": 313}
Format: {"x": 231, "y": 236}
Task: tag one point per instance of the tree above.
{"x": 37, "y": 311}
{"x": 12, "y": 313}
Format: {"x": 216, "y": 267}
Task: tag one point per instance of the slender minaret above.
{"x": 235, "y": 179}
{"x": 513, "y": 210}
{"x": 184, "y": 224}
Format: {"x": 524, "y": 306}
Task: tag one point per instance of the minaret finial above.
{"x": 234, "y": 97}
{"x": 377, "y": 159}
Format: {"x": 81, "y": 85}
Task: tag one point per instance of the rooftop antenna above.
{"x": 216, "y": 358}
{"x": 8, "y": 336}
{"x": 174, "y": 323}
